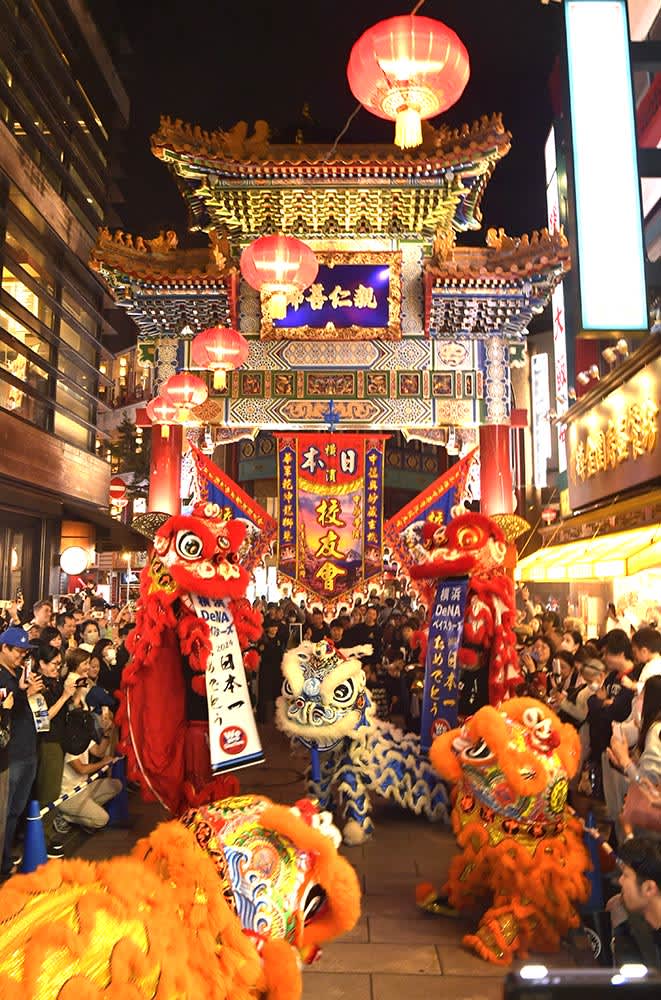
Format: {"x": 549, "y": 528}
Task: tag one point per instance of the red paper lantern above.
{"x": 278, "y": 267}
{"x": 185, "y": 391}
{"x": 163, "y": 413}
{"x": 408, "y": 68}
{"x": 221, "y": 350}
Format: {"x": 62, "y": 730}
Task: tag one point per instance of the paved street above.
{"x": 396, "y": 952}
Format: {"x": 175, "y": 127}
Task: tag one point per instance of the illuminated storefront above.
{"x": 610, "y": 549}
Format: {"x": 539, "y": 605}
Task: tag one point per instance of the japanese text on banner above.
{"x": 233, "y": 739}
{"x": 440, "y": 698}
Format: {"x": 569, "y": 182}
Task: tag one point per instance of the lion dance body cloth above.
{"x": 520, "y": 845}
{"x": 325, "y": 705}
{"x": 192, "y": 601}
{"x": 224, "y": 905}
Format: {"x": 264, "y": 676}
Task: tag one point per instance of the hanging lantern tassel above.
{"x": 220, "y": 379}
{"x": 165, "y": 430}
{"x": 408, "y": 128}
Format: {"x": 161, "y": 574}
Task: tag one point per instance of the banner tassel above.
{"x": 315, "y": 769}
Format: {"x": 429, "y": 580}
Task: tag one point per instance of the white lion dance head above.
{"x": 324, "y": 697}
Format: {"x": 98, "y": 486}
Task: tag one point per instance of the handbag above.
{"x": 79, "y": 731}
{"x": 641, "y": 809}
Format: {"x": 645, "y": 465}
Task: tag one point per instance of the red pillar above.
{"x": 165, "y": 471}
{"x": 495, "y": 469}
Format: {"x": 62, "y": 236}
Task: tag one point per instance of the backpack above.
{"x": 79, "y": 731}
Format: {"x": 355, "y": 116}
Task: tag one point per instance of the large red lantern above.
{"x": 278, "y": 267}
{"x": 162, "y": 412}
{"x": 221, "y": 350}
{"x": 185, "y": 391}
{"x": 408, "y": 68}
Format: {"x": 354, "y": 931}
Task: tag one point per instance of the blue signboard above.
{"x": 440, "y": 698}
{"x": 344, "y": 295}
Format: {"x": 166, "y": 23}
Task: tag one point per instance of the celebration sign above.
{"x": 330, "y": 530}
{"x": 440, "y": 697}
{"x": 217, "y": 487}
{"x": 233, "y": 738}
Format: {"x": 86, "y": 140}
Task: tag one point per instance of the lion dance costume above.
{"x": 474, "y": 545}
{"x": 325, "y": 705}
{"x": 519, "y": 842}
{"x": 222, "y": 905}
{"x": 163, "y": 714}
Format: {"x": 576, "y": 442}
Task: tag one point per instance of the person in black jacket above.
{"x": 271, "y": 648}
{"x": 50, "y": 761}
{"x": 6, "y": 705}
{"x": 636, "y": 910}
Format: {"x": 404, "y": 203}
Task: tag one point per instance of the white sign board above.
{"x": 233, "y": 738}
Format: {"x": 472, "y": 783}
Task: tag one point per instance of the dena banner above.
{"x": 330, "y": 525}
{"x": 440, "y": 699}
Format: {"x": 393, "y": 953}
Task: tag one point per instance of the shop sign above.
{"x": 614, "y": 446}
{"x": 355, "y": 296}
{"x": 541, "y": 424}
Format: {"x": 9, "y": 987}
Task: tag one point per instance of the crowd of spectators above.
{"x": 59, "y": 675}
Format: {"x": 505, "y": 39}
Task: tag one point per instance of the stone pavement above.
{"x": 396, "y": 952}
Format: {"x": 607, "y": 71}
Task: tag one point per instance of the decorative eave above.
{"x": 495, "y": 290}
{"x": 165, "y": 288}
{"x": 243, "y": 183}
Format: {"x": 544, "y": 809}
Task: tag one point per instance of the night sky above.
{"x": 214, "y": 63}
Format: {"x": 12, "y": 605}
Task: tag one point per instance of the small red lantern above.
{"x": 162, "y": 412}
{"x": 408, "y": 68}
{"x": 185, "y": 391}
{"x": 278, "y": 267}
{"x": 220, "y": 350}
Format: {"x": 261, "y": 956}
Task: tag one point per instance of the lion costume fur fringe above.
{"x": 530, "y": 856}
{"x": 156, "y": 925}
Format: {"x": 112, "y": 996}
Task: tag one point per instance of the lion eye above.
{"x": 312, "y": 902}
{"x": 479, "y": 751}
{"x": 188, "y": 545}
{"x": 344, "y": 692}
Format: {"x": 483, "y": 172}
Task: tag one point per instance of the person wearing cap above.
{"x": 636, "y": 911}
{"x": 14, "y": 645}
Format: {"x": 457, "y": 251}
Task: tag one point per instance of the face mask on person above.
{"x": 110, "y": 655}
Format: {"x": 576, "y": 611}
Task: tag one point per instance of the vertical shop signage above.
{"x": 601, "y": 105}
{"x": 541, "y": 423}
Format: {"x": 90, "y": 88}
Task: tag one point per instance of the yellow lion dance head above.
{"x": 520, "y": 843}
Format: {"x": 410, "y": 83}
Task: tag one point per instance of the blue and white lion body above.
{"x": 325, "y": 705}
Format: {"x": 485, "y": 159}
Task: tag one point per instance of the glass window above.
{"x": 12, "y": 397}
{"x": 77, "y": 374}
{"x": 71, "y": 336}
{"x": 33, "y": 340}
{"x": 71, "y": 431}
{"x": 72, "y": 401}
{"x": 27, "y": 209}
{"x": 19, "y": 291}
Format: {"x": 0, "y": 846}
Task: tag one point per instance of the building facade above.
{"x": 61, "y": 101}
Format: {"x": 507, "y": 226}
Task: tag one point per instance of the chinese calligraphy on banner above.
{"x": 216, "y": 486}
{"x": 404, "y": 530}
{"x": 440, "y": 698}
{"x": 330, "y": 529}
{"x": 233, "y": 739}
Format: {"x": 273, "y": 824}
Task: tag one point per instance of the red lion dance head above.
{"x": 193, "y": 556}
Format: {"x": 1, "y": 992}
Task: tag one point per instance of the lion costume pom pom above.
{"x": 519, "y": 843}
